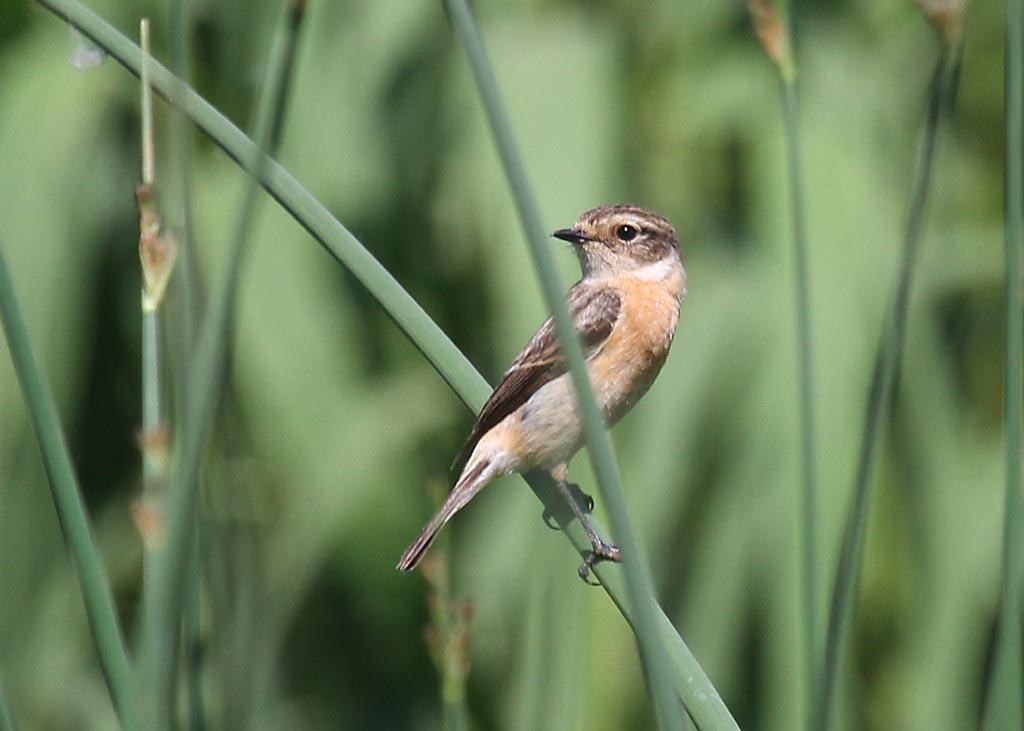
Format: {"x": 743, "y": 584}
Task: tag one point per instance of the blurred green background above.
{"x": 333, "y": 426}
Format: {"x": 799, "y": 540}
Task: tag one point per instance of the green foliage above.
{"x": 332, "y": 425}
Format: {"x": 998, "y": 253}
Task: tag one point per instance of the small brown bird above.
{"x": 625, "y": 310}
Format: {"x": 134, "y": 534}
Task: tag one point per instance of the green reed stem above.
{"x": 1003, "y": 705}
{"x": 187, "y": 277}
{"x": 808, "y": 539}
{"x": 805, "y": 376}
{"x": 777, "y": 36}
{"x": 161, "y": 623}
{"x": 847, "y": 580}
{"x": 154, "y": 434}
{"x": 692, "y": 685}
{"x": 187, "y": 314}
{"x": 638, "y": 581}
{"x": 153, "y": 466}
{"x": 67, "y": 498}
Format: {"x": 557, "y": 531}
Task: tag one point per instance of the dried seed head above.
{"x": 946, "y": 16}
{"x": 157, "y": 251}
{"x": 772, "y": 33}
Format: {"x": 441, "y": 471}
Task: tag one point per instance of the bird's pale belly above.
{"x": 547, "y": 427}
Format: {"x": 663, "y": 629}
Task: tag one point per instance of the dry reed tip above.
{"x": 946, "y": 16}
{"x": 771, "y": 31}
{"x": 157, "y": 251}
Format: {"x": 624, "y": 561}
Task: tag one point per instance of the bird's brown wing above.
{"x": 594, "y": 311}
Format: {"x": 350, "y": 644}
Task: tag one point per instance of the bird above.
{"x": 625, "y": 309}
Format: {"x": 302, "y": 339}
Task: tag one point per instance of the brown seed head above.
{"x": 772, "y": 34}
{"x": 946, "y": 16}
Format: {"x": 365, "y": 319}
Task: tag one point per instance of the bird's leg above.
{"x": 600, "y": 551}
{"x": 581, "y": 498}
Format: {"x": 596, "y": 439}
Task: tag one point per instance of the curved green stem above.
{"x": 67, "y": 498}
{"x": 847, "y": 580}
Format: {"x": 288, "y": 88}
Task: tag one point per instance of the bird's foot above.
{"x": 601, "y": 552}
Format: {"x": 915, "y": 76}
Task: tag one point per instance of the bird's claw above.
{"x": 602, "y": 552}
{"x": 549, "y": 520}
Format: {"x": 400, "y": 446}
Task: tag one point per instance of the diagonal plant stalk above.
{"x": 692, "y": 685}
{"x": 67, "y": 498}
{"x": 638, "y": 581}
{"x": 777, "y": 38}
{"x": 161, "y": 622}
{"x": 847, "y": 580}
{"x": 1003, "y": 706}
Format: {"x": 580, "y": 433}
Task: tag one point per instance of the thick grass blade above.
{"x": 160, "y": 633}
{"x": 181, "y": 177}
{"x": 67, "y": 498}
{"x": 847, "y": 579}
{"x": 692, "y": 685}
{"x": 1003, "y": 706}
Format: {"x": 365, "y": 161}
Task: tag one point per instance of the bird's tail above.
{"x": 475, "y": 476}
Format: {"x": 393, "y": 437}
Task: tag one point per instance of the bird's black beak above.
{"x": 572, "y": 235}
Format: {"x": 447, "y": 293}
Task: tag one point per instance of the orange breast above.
{"x": 637, "y": 348}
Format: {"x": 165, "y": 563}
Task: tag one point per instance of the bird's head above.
{"x": 621, "y": 239}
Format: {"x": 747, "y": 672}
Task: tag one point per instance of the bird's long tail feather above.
{"x": 472, "y": 480}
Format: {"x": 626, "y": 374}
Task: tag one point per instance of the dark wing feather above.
{"x": 594, "y": 311}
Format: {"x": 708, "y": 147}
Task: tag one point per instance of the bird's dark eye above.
{"x": 626, "y": 232}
